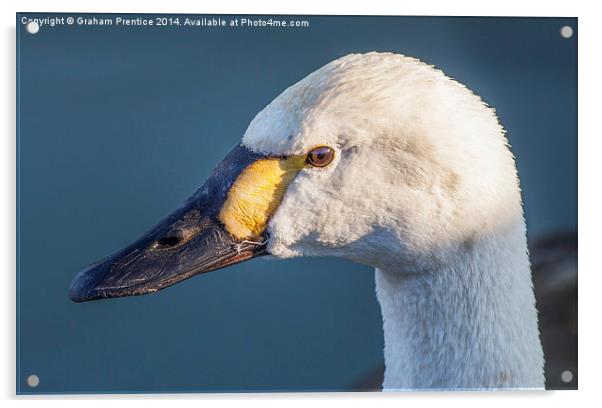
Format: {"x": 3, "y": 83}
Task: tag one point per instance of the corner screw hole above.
{"x": 32, "y": 27}
{"x": 33, "y": 381}
{"x": 566, "y": 32}
{"x": 566, "y": 376}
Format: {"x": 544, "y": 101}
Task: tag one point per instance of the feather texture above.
{"x": 424, "y": 188}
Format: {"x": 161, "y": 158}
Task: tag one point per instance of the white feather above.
{"x": 424, "y": 188}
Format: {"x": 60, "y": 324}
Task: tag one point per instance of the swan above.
{"x": 384, "y": 160}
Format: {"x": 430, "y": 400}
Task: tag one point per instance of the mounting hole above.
{"x": 32, "y": 27}
{"x": 566, "y": 376}
{"x": 566, "y": 32}
{"x": 33, "y": 381}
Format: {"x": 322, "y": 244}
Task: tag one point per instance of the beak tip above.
{"x": 77, "y": 292}
{"x": 77, "y": 298}
{"x": 82, "y": 285}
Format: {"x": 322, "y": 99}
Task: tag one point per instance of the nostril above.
{"x": 167, "y": 242}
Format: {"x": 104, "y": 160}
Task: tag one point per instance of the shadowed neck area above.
{"x": 471, "y": 324}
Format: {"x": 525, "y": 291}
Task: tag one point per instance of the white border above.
{"x": 590, "y": 175}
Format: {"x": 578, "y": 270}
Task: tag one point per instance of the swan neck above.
{"x": 470, "y": 324}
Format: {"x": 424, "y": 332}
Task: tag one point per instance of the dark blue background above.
{"x": 118, "y": 125}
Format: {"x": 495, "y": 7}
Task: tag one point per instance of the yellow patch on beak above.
{"x": 256, "y": 194}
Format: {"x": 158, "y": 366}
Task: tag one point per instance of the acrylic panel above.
{"x": 380, "y": 159}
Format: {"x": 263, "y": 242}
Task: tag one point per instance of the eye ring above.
{"x": 320, "y": 156}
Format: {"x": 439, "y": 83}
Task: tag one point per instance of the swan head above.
{"x": 377, "y": 158}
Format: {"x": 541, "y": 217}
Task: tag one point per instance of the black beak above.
{"x": 190, "y": 241}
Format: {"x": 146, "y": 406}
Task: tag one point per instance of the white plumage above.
{"x": 424, "y": 188}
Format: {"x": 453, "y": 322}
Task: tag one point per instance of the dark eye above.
{"x": 320, "y": 156}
